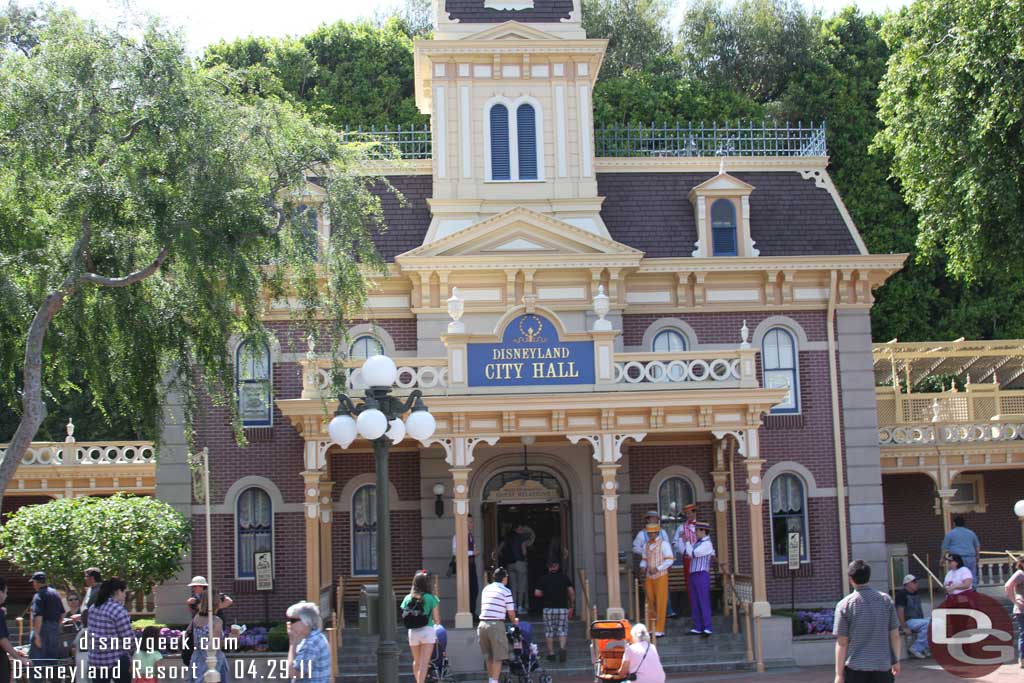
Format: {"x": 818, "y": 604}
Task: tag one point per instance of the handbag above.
{"x": 631, "y": 676}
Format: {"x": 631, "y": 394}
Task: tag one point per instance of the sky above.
{"x": 207, "y": 21}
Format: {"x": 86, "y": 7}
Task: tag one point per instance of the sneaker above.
{"x": 562, "y": 655}
{"x": 659, "y": 634}
{"x": 707, "y": 632}
{"x": 694, "y": 632}
{"x": 916, "y": 654}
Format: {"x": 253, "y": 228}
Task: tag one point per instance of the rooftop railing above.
{"x": 764, "y": 139}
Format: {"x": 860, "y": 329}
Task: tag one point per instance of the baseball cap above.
{"x": 39, "y": 576}
{"x": 908, "y": 578}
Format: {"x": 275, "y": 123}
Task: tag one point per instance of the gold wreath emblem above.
{"x": 530, "y": 327}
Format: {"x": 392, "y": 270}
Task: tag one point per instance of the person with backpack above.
{"x": 419, "y": 614}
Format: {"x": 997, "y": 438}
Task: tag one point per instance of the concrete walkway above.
{"x": 913, "y": 672}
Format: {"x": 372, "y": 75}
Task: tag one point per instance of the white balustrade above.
{"x": 911, "y": 435}
{"x": 45, "y": 454}
{"x": 642, "y": 368}
{"x": 424, "y": 375}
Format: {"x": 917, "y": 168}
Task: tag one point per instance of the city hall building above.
{"x": 602, "y": 322}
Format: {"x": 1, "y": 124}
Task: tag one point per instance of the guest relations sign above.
{"x": 530, "y": 354}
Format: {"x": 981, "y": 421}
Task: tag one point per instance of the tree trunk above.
{"x": 32, "y": 406}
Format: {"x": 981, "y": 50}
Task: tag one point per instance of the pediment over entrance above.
{"x": 512, "y": 30}
{"x": 521, "y": 231}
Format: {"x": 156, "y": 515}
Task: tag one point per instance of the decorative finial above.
{"x": 456, "y": 307}
{"x": 601, "y": 308}
{"x": 952, "y": 386}
{"x": 71, "y": 432}
{"x": 721, "y": 165}
{"x": 744, "y": 335}
{"x": 310, "y": 347}
{"x": 935, "y": 410}
{"x": 969, "y": 378}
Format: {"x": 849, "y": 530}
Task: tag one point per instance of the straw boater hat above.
{"x": 692, "y": 507}
{"x": 653, "y": 528}
{"x": 652, "y": 513}
{"x": 703, "y": 525}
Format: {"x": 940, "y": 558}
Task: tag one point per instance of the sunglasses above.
{"x": 292, "y": 620}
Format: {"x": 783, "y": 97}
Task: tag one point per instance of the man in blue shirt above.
{"x": 47, "y": 613}
{"x": 963, "y": 542}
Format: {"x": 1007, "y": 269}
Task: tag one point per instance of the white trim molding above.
{"x": 700, "y": 493}
{"x": 681, "y": 326}
{"x": 811, "y": 487}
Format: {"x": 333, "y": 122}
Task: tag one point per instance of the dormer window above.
{"x": 723, "y": 228}
{"x": 722, "y": 211}
{"x": 514, "y": 141}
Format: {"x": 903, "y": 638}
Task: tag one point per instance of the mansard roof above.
{"x": 474, "y": 12}
{"x": 650, "y": 211}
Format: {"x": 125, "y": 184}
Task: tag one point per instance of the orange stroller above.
{"x": 608, "y": 643}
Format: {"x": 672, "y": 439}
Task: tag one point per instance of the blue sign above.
{"x": 530, "y": 354}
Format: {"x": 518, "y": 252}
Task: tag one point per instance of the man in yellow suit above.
{"x": 655, "y": 563}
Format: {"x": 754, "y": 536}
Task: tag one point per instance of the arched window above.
{"x": 789, "y": 515}
{"x": 501, "y": 162}
{"x": 673, "y": 495}
{"x": 252, "y": 370}
{"x": 778, "y": 356}
{"x": 668, "y": 340}
{"x": 723, "y": 228}
{"x": 364, "y": 347}
{"x": 254, "y": 520}
{"x": 307, "y": 232}
{"x": 364, "y": 531}
{"x": 526, "y": 143}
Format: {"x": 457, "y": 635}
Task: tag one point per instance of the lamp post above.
{"x": 379, "y": 420}
{"x": 201, "y": 488}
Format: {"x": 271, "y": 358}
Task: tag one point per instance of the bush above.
{"x": 140, "y": 624}
{"x": 277, "y": 638}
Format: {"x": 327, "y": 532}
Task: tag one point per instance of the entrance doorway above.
{"x": 538, "y": 508}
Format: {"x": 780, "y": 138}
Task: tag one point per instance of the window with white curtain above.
{"x": 254, "y": 518}
{"x": 778, "y": 356}
{"x": 365, "y": 346}
{"x": 789, "y": 515}
{"x": 668, "y": 340}
{"x": 674, "y": 494}
{"x": 364, "y": 531}
{"x": 252, "y": 372}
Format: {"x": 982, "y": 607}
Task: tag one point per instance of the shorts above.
{"x": 493, "y": 641}
{"x": 556, "y": 622}
{"x": 424, "y": 635}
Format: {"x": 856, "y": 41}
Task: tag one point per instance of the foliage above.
{"x": 637, "y": 33}
{"x": 145, "y": 212}
{"x": 277, "y": 638}
{"x": 344, "y": 74}
{"x": 139, "y": 539}
{"x": 954, "y": 124}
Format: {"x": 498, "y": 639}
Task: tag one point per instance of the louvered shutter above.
{"x": 500, "y": 166}
{"x": 526, "y": 129}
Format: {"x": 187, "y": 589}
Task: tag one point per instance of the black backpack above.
{"x": 414, "y": 614}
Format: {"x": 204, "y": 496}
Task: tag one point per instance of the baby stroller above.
{"x": 523, "y": 661}
{"x": 608, "y": 643}
{"x": 439, "y": 671}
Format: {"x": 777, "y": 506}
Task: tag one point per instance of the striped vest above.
{"x": 654, "y": 557}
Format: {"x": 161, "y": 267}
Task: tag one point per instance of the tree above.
{"x": 752, "y": 47}
{"x": 138, "y": 539}
{"x": 148, "y": 208}
{"x": 954, "y": 124}
{"x": 637, "y": 33}
{"x": 343, "y": 74}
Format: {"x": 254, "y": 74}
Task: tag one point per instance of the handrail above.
{"x": 585, "y": 592}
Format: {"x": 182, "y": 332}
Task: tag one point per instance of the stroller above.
{"x": 608, "y": 643}
{"x": 523, "y": 661}
{"x": 439, "y": 671}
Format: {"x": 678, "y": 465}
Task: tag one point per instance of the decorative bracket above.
{"x": 458, "y": 450}
{"x": 741, "y": 440}
{"x": 607, "y": 447}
